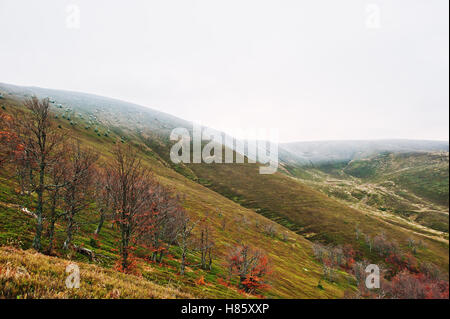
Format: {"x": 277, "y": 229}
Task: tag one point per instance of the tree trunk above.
{"x": 162, "y": 252}
{"x": 70, "y": 218}
{"x": 51, "y": 233}
{"x": 69, "y": 232}
{"x": 40, "y": 191}
{"x": 125, "y": 243}
{"x": 100, "y": 223}
{"x": 155, "y": 246}
{"x": 183, "y": 261}
{"x": 241, "y": 280}
{"x": 210, "y": 259}
{"x": 125, "y": 257}
{"x": 202, "y": 248}
{"x": 51, "y": 229}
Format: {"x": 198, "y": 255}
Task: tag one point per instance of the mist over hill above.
{"x": 106, "y": 110}
{"x": 125, "y": 115}
{"x": 341, "y": 151}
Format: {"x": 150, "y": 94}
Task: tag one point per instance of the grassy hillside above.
{"x": 306, "y": 211}
{"x": 424, "y": 174}
{"x": 27, "y": 274}
{"x": 295, "y": 272}
{"x": 413, "y": 186}
{"x": 234, "y": 195}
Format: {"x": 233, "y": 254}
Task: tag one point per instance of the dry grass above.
{"x": 28, "y": 274}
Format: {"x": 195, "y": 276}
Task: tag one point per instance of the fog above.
{"x": 315, "y": 70}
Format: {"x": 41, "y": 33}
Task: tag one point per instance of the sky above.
{"x": 312, "y": 69}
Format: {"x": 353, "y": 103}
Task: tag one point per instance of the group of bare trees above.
{"x": 62, "y": 179}
{"x": 146, "y": 213}
{"x": 51, "y": 165}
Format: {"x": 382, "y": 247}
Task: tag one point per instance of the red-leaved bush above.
{"x": 251, "y": 266}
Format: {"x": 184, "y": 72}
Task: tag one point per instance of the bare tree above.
{"x": 206, "y": 243}
{"x": 130, "y": 185}
{"x": 223, "y": 223}
{"x": 250, "y": 265}
{"x": 357, "y": 232}
{"x": 167, "y": 219}
{"x": 269, "y": 230}
{"x": 39, "y": 138}
{"x": 79, "y": 173}
{"x": 412, "y": 245}
{"x": 383, "y": 246}
{"x": 57, "y": 176}
{"x": 103, "y": 198}
{"x": 369, "y": 242}
{"x": 185, "y": 241}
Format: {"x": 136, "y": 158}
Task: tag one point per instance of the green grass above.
{"x": 424, "y": 174}
{"x": 413, "y": 186}
{"x": 304, "y": 210}
{"x": 295, "y": 273}
{"x": 246, "y": 200}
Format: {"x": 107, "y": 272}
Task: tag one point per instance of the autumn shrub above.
{"x": 383, "y": 246}
{"x": 407, "y": 285}
{"x": 251, "y": 266}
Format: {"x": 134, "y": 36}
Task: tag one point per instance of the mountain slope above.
{"x": 305, "y": 210}
{"x": 410, "y": 187}
{"x": 295, "y": 272}
{"x": 26, "y": 274}
{"x": 424, "y": 174}
{"x": 245, "y": 199}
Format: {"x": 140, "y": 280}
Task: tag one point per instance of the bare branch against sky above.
{"x": 348, "y": 69}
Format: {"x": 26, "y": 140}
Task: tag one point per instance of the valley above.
{"x": 402, "y": 196}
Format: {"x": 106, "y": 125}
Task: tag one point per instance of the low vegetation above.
{"x": 29, "y": 274}
{"x": 105, "y": 197}
{"x": 81, "y": 221}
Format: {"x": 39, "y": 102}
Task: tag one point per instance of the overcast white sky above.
{"x": 313, "y": 69}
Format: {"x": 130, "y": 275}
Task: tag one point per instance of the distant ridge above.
{"x": 335, "y": 151}
{"x": 120, "y": 113}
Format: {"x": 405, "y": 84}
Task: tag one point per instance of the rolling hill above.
{"x": 425, "y": 174}
{"x": 409, "y": 185}
{"x": 233, "y": 194}
{"x": 296, "y": 274}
